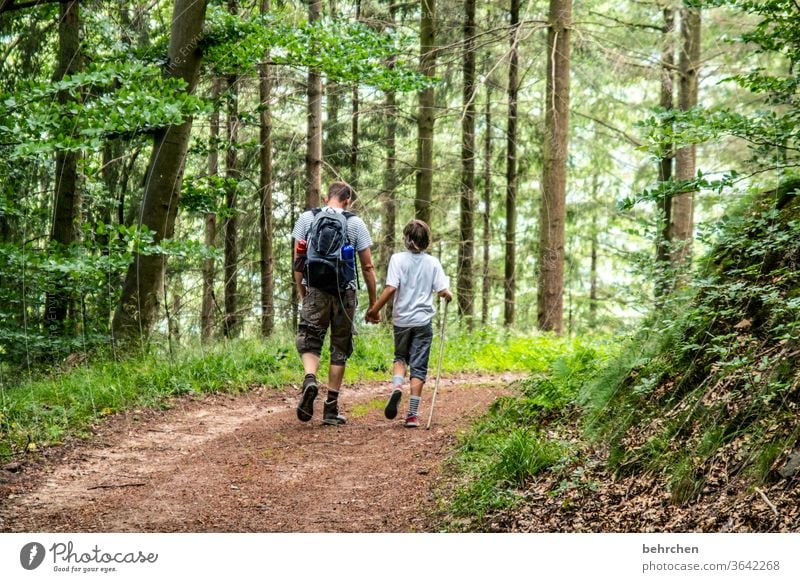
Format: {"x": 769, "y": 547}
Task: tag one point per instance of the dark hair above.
{"x": 417, "y": 236}
{"x": 341, "y": 191}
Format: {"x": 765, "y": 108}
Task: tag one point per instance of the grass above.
{"x": 49, "y": 407}
{"x": 508, "y": 446}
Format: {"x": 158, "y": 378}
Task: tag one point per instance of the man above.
{"x": 324, "y": 309}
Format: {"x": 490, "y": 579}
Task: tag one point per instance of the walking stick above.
{"x": 439, "y": 367}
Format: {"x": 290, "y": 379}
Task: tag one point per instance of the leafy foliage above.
{"x": 109, "y": 100}
{"x": 771, "y": 131}
{"x": 344, "y": 51}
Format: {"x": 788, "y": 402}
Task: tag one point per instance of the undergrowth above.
{"x": 512, "y": 443}
{"x": 705, "y": 395}
{"x": 713, "y": 381}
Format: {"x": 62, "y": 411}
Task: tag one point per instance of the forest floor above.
{"x": 244, "y": 463}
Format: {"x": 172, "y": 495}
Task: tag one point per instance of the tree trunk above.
{"x": 665, "y": 164}
{"x": 293, "y": 217}
{"x": 230, "y": 325}
{"x": 389, "y": 180}
{"x": 332, "y": 147}
{"x": 67, "y": 198}
{"x": 333, "y": 152}
{"x": 354, "y": 139}
{"x": 425, "y": 119}
{"x": 266, "y": 230}
{"x": 487, "y": 207}
{"x": 593, "y": 277}
{"x": 466, "y": 248}
{"x": 138, "y": 306}
{"x": 207, "y": 307}
{"x": 314, "y": 131}
{"x": 554, "y": 174}
{"x": 511, "y": 170}
{"x": 681, "y": 226}
{"x": 354, "y": 128}
{"x": 112, "y": 154}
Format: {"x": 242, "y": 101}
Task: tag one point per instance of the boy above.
{"x": 414, "y": 275}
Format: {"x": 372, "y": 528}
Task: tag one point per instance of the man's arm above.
{"x": 298, "y": 275}
{"x": 374, "y": 312}
{"x": 368, "y": 269}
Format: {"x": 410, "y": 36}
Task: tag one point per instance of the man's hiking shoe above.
{"x": 411, "y": 421}
{"x": 330, "y": 414}
{"x": 391, "y": 405}
{"x": 305, "y": 409}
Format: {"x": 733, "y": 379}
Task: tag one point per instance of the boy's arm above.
{"x": 441, "y": 283}
{"x": 374, "y": 312}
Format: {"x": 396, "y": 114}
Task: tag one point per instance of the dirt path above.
{"x": 245, "y": 463}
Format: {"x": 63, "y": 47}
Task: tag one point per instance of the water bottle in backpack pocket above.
{"x": 348, "y": 262}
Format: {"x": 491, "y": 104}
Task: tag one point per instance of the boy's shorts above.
{"x": 412, "y": 346}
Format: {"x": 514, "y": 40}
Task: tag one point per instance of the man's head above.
{"x": 340, "y": 195}
{"x": 417, "y": 236}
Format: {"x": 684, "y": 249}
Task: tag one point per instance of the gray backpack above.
{"x": 325, "y": 268}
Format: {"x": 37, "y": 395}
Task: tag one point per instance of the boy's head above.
{"x": 417, "y": 236}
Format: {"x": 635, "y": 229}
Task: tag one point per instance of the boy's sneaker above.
{"x": 391, "y": 405}
{"x": 412, "y": 421}
{"x": 330, "y": 414}
{"x": 305, "y": 409}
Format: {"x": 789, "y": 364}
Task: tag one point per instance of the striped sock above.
{"x": 413, "y": 405}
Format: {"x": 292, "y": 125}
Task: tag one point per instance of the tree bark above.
{"x": 67, "y": 198}
{"x": 425, "y": 118}
{"x": 266, "y": 227}
{"x": 389, "y": 180}
{"x": 511, "y": 170}
{"x": 681, "y": 226}
{"x": 138, "y": 306}
{"x": 293, "y": 288}
{"x": 111, "y": 172}
{"x": 665, "y": 164}
{"x": 314, "y": 127}
{"x": 333, "y": 152}
{"x": 554, "y": 175}
{"x": 207, "y": 307}
{"x": 230, "y": 325}
{"x": 593, "y": 277}
{"x": 487, "y": 207}
{"x": 354, "y": 145}
{"x": 466, "y": 248}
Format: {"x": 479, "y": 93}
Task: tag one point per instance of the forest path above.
{"x": 244, "y": 463}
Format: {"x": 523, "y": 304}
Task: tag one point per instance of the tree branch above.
{"x": 628, "y": 24}
{"x": 607, "y": 125}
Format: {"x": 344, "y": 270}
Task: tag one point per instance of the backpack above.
{"x": 325, "y": 268}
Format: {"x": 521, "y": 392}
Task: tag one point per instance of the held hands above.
{"x": 373, "y": 315}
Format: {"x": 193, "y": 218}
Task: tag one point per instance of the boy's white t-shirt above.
{"x": 416, "y": 276}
